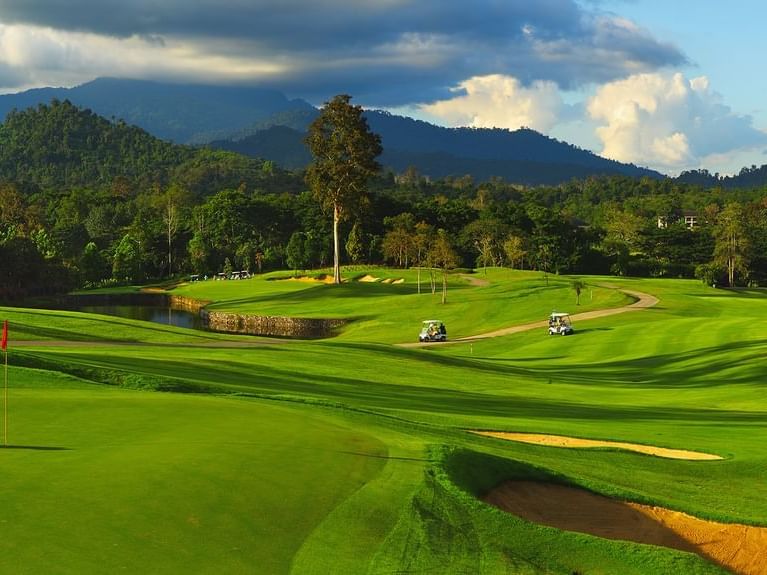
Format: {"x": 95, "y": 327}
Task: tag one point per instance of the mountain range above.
{"x": 267, "y": 124}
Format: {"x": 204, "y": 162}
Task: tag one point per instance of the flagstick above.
{"x": 5, "y": 402}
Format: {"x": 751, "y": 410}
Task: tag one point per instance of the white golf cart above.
{"x": 559, "y": 324}
{"x": 432, "y": 330}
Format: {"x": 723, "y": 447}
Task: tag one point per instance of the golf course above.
{"x": 143, "y": 448}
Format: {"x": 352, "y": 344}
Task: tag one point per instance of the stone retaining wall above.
{"x": 186, "y": 303}
{"x": 271, "y": 325}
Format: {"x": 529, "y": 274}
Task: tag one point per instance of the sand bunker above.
{"x": 326, "y": 279}
{"x": 372, "y": 279}
{"x": 562, "y": 441}
{"x": 740, "y": 548}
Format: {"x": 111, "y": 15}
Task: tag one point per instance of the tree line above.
{"x": 149, "y": 210}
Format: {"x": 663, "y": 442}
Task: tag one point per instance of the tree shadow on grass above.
{"x": 296, "y": 384}
{"x": 696, "y": 368}
{"x": 344, "y": 291}
{"x": 591, "y": 329}
{"x": 35, "y": 447}
{"x": 111, "y": 325}
{"x": 384, "y": 456}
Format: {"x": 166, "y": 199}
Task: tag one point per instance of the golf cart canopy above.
{"x": 432, "y": 330}
{"x": 559, "y": 323}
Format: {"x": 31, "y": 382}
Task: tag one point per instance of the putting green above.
{"x": 103, "y": 480}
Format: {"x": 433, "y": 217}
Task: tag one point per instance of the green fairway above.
{"x": 350, "y": 455}
{"x": 121, "y": 480}
{"x": 385, "y": 312}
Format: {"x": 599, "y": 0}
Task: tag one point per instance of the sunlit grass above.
{"x": 687, "y": 374}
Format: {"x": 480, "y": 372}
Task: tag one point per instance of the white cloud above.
{"x": 668, "y": 122}
{"x": 497, "y": 101}
{"x": 35, "y": 56}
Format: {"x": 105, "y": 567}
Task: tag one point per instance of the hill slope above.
{"x": 181, "y": 113}
{"x": 246, "y": 120}
{"x": 522, "y": 156}
{"x": 60, "y": 147}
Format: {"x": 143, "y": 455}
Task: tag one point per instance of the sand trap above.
{"x": 740, "y": 548}
{"x": 399, "y": 281}
{"x": 368, "y": 279}
{"x": 326, "y": 279}
{"x": 562, "y": 441}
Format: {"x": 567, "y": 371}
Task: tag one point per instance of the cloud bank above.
{"x": 668, "y": 121}
{"x": 497, "y": 101}
{"x": 385, "y": 52}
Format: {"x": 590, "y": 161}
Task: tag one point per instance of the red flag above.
{"x": 4, "y": 340}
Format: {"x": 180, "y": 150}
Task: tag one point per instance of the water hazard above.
{"x": 154, "y": 313}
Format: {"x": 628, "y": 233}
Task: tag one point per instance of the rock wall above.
{"x": 271, "y": 325}
{"x": 186, "y": 303}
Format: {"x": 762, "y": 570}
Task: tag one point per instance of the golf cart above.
{"x": 432, "y": 330}
{"x": 559, "y": 324}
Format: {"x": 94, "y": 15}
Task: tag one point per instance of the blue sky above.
{"x": 673, "y": 85}
{"x": 726, "y": 42}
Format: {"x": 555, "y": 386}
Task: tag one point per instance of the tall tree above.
{"x": 344, "y": 152}
{"x": 444, "y": 257}
{"x": 421, "y": 239}
{"x": 355, "y": 243}
{"x": 172, "y": 204}
{"x": 514, "y": 248}
{"x": 398, "y": 243}
{"x": 623, "y": 232}
{"x": 732, "y": 241}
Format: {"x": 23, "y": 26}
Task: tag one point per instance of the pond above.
{"x": 154, "y": 313}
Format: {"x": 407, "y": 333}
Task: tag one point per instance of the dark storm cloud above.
{"x": 387, "y": 52}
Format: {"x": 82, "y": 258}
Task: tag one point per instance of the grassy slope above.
{"x": 124, "y": 480}
{"x": 393, "y": 313}
{"x": 686, "y": 374}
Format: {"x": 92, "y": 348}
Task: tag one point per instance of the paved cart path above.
{"x": 643, "y": 301}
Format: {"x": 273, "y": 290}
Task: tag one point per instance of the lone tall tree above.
{"x": 344, "y": 152}
{"x": 733, "y": 244}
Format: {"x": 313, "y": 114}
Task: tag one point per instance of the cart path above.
{"x": 739, "y": 548}
{"x": 643, "y": 301}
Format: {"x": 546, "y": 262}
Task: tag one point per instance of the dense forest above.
{"x": 85, "y": 201}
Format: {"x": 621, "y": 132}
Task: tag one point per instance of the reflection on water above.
{"x": 156, "y": 314}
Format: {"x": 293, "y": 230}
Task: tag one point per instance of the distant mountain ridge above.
{"x": 266, "y": 124}
{"x": 182, "y": 113}
{"x": 522, "y": 156}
